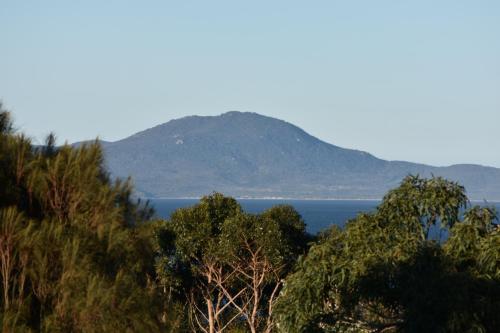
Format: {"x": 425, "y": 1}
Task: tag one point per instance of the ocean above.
{"x": 317, "y": 214}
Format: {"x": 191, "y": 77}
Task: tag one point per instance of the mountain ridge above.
{"x": 246, "y": 154}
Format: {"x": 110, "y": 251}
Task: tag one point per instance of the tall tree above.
{"x": 231, "y": 264}
{"x": 383, "y": 273}
{"x": 75, "y": 255}
{"x": 260, "y": 251}
{"x": 195, "y": 232}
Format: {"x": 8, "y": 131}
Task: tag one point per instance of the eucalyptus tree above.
{"x": 228, "y": 264}
{"x": 383, "y": 273}
{"x": 420, "y": 204}
{"x": 260, "y": 251}
{"x": 474, "y": 249}
{"x": 189, "y": 245}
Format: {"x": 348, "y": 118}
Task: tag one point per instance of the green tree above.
{"x": 260, "y": 251}
{"x": 228, "y": 264}
{"x": 190, "y": 244}
{"x": 75, "y": 252}
{"x": 384, "y": 273}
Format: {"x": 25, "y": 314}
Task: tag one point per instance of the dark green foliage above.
{"x": 383, "y": 274}
{"x": 421, "y": 203}
{"x": 75, "y": 255}
{"x": 5, "y": 121}
{"x": 227, "y": 265}
{"x": 291, "y": 224}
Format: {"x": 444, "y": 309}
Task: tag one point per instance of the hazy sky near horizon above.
{"x": 403, "y": 80}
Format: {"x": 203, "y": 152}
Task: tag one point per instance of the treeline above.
{"x": 79, "y": 254}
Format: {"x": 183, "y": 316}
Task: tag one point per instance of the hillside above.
{"x": 250, "y": 155}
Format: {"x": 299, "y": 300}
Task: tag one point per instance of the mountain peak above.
{"x": 248, "y": 154}
{"x": 238, "y": 113}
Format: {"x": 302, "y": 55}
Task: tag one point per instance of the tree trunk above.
{"x": 211, "y": 319}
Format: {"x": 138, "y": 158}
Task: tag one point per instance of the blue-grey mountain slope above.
{"x": 250, "y": 155}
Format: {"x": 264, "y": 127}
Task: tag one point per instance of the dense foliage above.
{"x": 77, "y": 254}
{"x": 228, "y": 265}
{"x": 74, "y": 254}
{"x": 385, "y": 273}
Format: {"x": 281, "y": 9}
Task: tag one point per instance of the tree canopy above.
{"x": 230, "y": 264}
{"x": 383, "y": 273}
{"x": 75, "y": 253}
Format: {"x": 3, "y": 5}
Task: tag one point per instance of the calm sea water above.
{"x": 318, "y": 214}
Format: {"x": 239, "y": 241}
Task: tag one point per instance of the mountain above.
{"x": 249, "y": 155}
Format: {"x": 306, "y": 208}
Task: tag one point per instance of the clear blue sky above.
{"x": 405, "y": 80}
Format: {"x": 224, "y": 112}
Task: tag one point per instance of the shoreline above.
{"x": 296, "y": 199}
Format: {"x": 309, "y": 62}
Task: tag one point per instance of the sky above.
{"x": 404, "y": 80}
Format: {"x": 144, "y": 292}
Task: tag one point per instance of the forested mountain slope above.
{"x": 249, "y": 155}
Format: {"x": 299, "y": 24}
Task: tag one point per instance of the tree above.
{"x": 383, "y": 273}
{"x": 260, "y": 251}
{"x": 190, "y": 244}
{"x": 230, "y": 264}
{"x": 422, "y": 203}
{"x": 75, "y": 253}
